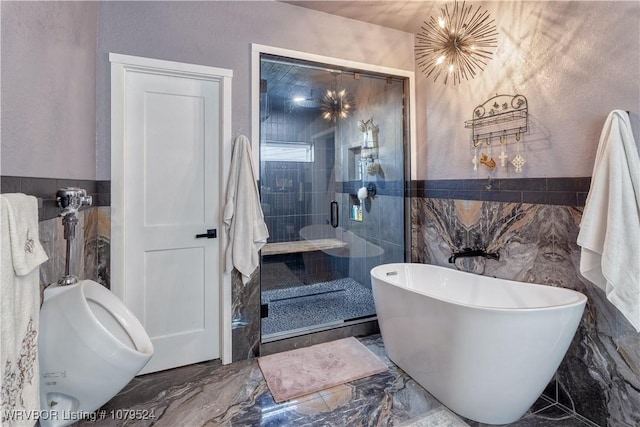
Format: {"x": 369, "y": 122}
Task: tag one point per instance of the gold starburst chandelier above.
{"x": 456, "y": 43}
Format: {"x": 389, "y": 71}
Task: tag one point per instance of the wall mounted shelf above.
{"x": 498, "y": 118}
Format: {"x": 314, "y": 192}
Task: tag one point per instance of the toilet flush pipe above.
{"x": 70, "y": 199}
{"x": 69, "y": 222}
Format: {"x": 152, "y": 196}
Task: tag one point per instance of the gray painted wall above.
{"x": 48, "y": 89}
{"x": 574, "y": 61}
{"x": 56, "y": 85}
{"x": 220, "y": 34}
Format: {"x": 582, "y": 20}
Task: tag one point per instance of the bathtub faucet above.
{"x": 475, "y": 252}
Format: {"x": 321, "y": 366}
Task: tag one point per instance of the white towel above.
{"x": 19, "y": 309}
{"x": 610, "y": 226}
{"x": 243, "y": 217}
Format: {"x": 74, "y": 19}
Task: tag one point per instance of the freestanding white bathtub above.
{"x": 484, "y": 347}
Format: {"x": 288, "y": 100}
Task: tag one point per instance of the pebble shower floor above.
{"x": 323, "y": 303}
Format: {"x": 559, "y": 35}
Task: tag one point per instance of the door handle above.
{"x": 334, "y": 214}
{"x": 212, "y": 233}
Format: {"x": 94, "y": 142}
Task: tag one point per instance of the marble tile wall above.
{"x": 90, "y": 250}
{"x": 97, "y": 247}
{"x": 600, "y": 375}
{"x": 245, "y": 312}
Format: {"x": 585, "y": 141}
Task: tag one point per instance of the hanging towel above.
{"x": 243, "y": 217}
{"x": 21, "y": 255}
{"x": 610, "y": 227}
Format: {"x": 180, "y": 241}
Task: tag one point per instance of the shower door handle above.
{"x": 334, "y": 213}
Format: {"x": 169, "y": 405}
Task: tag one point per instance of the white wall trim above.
{"x": 120, "y": 65}
{"x": 171, "y": 67}
{"x": 257, "y": 49}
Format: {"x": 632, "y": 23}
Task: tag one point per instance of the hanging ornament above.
{"x": 503, "y": 158}
{"x": 518, "y": 161}
{"x": 487, "y": 161}
{"x": 474, "y": 160}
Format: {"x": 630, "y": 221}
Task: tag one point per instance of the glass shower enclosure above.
{"x": 332, "y": 174}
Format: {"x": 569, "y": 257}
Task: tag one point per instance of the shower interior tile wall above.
{"x": 288, "y": 209}
{"x": 294, "y": 194}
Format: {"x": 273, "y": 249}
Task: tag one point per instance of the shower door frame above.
{"x": 257, "y": 49}
{"x": 409, "y": 116}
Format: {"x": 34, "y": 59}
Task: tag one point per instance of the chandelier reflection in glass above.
{"x": 335, "y": 105}
{"x": 457, "y": 43}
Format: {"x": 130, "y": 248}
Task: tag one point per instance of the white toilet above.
{"x": 90, "y": 346}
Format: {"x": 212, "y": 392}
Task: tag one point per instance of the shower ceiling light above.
{"x": 307, "y": 102}
{"x": 456, "y": 43}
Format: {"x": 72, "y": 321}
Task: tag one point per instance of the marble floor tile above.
{"x": 210, "y": 394}
{"x": 438, "y": 417}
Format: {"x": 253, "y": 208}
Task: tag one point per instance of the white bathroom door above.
{"x": 172, "y": 125}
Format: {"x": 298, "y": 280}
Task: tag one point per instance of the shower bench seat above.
{"x": 302, "y": 246}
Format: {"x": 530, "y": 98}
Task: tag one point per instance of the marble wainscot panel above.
{"x": 245, "y": 308}
{"x": 97, "y": 246}
{"x": 599, "y": 378}
{"x": 90, "y": 249}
